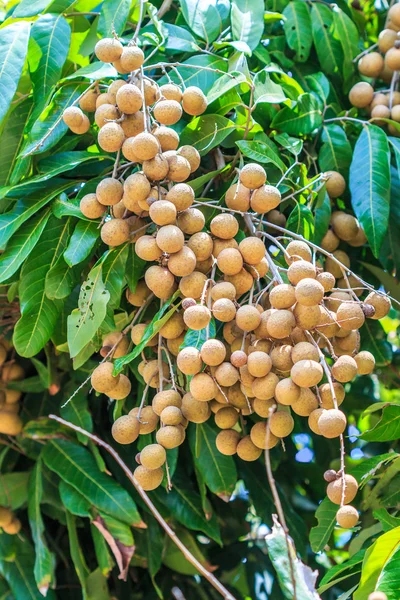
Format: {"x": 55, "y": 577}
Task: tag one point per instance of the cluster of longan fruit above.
{"x": 10, "y": 422}
{"x": 8, "y": 521}
{"x": 381, "y": 65}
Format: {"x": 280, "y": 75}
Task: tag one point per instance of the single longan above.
{"x": 287, "y": 392}
{"x": 381, "y": 304}
{"x": 170, "y": 91}
{"x": 327, "y": 323}
{"x": 183, "y": 262}
{"x": 202, "y": 245}
{"x": 170, "y": 239}
{"x": 347, "y": 517}
{"x": 137, "y": 333}
{"x": 131, "y": 58}
{"x": 220, "y": 245}
{"x": 237, "y": 197}
{"x": 248, "y": 318}
{"x": 224, "y": 226}
{"x": 191, "y": 155}
{"x": 171, "y": 415}
{"x": 122, "y": 389}
{"x": 194, "y": 101}
{"x": 116, "y": 340}
{"x": 173, "y": 327}
{"x": 262, "y": 408}
{"x": 224, "y": 310}
{"x": 167, "y": 138}
{"x": 264, "y": 387}
{"x": 361, "y": 94}
{"x": 10, "y": 423}
{"x": 108, "y": 49}
{"x": 102, "y": 379}
{"x": 306, "y": 403}
{"x": 252, "y": 176}
{"x": 192, "y": 285}
{"x": 252, "y": 249}
{"x": 146, "y": 248}
{"x": 162, "y": 212}
{"x": 189, "y": 361}
{"x": 307, "y": 317}
{"x": 167, "y": 112}
{"x": 248, "y": 451}
{"x": 153, "y": 456}
{"x": 191, "y": 221}
{"x": 371, "y": 64}
{"x": 332, "y": 423}
{"x": 242, "y": 282}
{"x": 335, "y": 489}
{"x": 227, "y": 441}
{"x": 223, "y": 290}
{"x": 148, "y": 420}
{"x": 230, "y": 261}
{"x": 13, "y": 528}
{"x": 181, "y": 195}
{"x": 304, "y": 351}
{"x": 386, "y": 40}
{"x": 309, "y": 292}
{"x": 281, "y": 358}
{"x": 213, "y": 352}
{"x": 259, "y": 364}
{"x": 226, "y": 417}
{"x": 160, "y": 281}
{"x": 6, "y": 516}
{"x": 392, "y": 59}
{"x": 164, "y": 399}
{"x": 129, "y": 99}
{"x": 306, "y": 373}
{"x": 193, "y": 410}
{"x": 125, "y": 429}
{"x": 226, "y": 374}
{"x": 90, "y": 207}
{"x": 350, "y": 316}
{"x": 344, "y": 369}
{"x": 282, "y": 296}
{"x": 73, "y": 116}
{"x": 330, "y": 241}
{"x": 109, "y": 191}
{"x": 115, "y": 232}
{"x": 365, "y": 362}
{"x": 145, "y": 145}
{"x": 301, "y": 269}
{"x": 325, "y": 393}
{"x": 313, "y": 420}
{"x": 281, "y": 424}
{"x": 327, "y": 280}
{"x": 139, "y": 296}
{"x": 105, "y": 113}
{"x": 344, "y": 225}
{"x": 265, "y": 198}
{"x": 202, "y": 387}
{"x": 280, "y": 324}
{"x": 261, "y": 437}
{"x": 239, "y": 359}
{"x": 197, "y": 317}
{"x": 297, "y": 250}
{"x": 148, "y": 479}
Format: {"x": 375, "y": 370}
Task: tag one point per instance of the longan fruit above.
{"x": 102, "y": 379}
{"x": 281, "y": 424}
{"x": 189, "y": 361}
{"x": 111, "y": 137}
{"x": 282, "y": 296}
{"x": 237, "y": 197}
{"x": 173, "y": 327}
{"x": 137, "y": 333}
{"x": 178, "y": 167}
{"x": 265, "y": 198}
{"x": 88, "y": 101}
{"x": 260, "y": 437}
{"x": 146, "y": 248}
{"x": 309, "y": 292}
{"x": 109, "y": 191}
{"x": 145, "y": 145}
{"x": 386, "y": 40}
{"x": 170, "y": 91}
{"x": 160, "y": 281}
{"x": 377, "y": 596}
{"x": 259, "y": 364}
{"x": 181, "y": 195}
{"x": 301, "y": 269}
{"x": 115, "y": 232}
{"x": 194, "y": 101}
{"x": 150, "y": 373}
{"x": 281, "y": 358}
{"x": 365, "y": 362}
{"x": 335, "y": 489}
{"x": 224, "y": 226}
{"x": 313, "y": 420}
{"x": 236, "y": 397}
{"x": 213, "y": 352}
{"x": 73, "y": 116}
{"x": 252, "y": 249}
{"x": 223, "y": 290}
{"x": 350, "y": 316}
{"x": 108, "y": 49}
{"x": 125, "y": 429}
{"x": 114, "y": 86}
{"x": 327, "y": 280}
{"x": 227, "y": 441}
{"x": 332, "y": 423}
{"x": 280, "y": 324}
{"x": 226, "y": 417}
{"x": 347, "y": 517}
{"x": 238, "y": 359}
{"x": 306, "y": 373}
{"x": 170, "y": 239}
{"x": 195, "y": 411}
{"x": 394, "y": 16}
{"x": 380, "y": 112}
{"x": 167, "y": 138}
{"x": 248, "y": 318}
{"x": 264, "y": 387}
{"x": 117, "y": 340}
{"x": 175, "y": 345}
{"x": 226, "y": 374}
{"x": 197, "y": 317}
{"x": 262, "y": 408}
{"x": 171, "y": 415}
{"x": 307, "y": 317}
{"x": 202, "y": 245}
{"x": 129, "y": 100}
{"x": 287, "y": 392}
{"x": 10, "y": 423}
{"x": 105, "y": 113}
{"x": 344, "y": 369}
{"x": 191, "y": 221}
{"x": 192, "y": 285}
{"x": 151, "y": 90}
{"x": 381, "y": 304}
{"x": 164, "y": 399}
{"x": 392, "y": 59}
{"x": 90, "y": 207}
{"x": 12, "y": 396}
{"x": 326, "y": 397}
{"x": 153, "y": 456}
{"x": 305, "y": 404}
{"x": 202, "y": 387}
{"x": 139, "y": 296}
{"x": 327, "y": 323}
{"x": 248, "y": 451}
{"x": 106, "y": 98}
{"x": 330, "y": 241}
{"x": 344, "y": 225}
{"x": 242, "y": 282}
{"x": 371, "y": 64}
{"x": 162, "y": 212}
{"x": 148, "y": 479}
{"x": 252, "y": 176}
{"x": 220, "y": 245}
{"x": 361, "y": 94}
{"x": 297, "y": 250}
{"x": 230, "y": 261}
{"x": 136, "y": 187}
{"x": 122, "y": 389}
{"x": 6, "y": 516}
{"x": 224, "y": 310}
{"x": 191, "y": 155}
{"x": 336, "y": 299}
{"x": 131, "y": 58}
{"x": 167, "y": 112}
{"x": 182, "y": 263}
{"x": 304, "y": 351}
{"x": 13, "y": 528}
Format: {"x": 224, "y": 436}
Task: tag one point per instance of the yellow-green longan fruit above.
{"x": 148, "y": 479}
{"x": 125, "y": 429}
{"x": 347, "y": 517}
{"x": 153, "y": 456}
{"x": 102, "y": 379}
{"x": 227, "y": 441}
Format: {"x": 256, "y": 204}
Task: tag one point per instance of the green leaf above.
{"x": 77, "y": 554}
{"x": 61, "y": 207}
{"x": 218, "y": 471}
{"x": 380, "y": 570}
{"x": 342, "y": 571}
{"x": 30, "y": 8}
{"x": 13, "y": 48}
{"x": 114, "y": 272}
{"x": 94, "y": 71}
{"x": 335, "y": 153}
{"x": 85, "y": 320}
{"x": 60, "y": 280}
{"x": 198, "y": 76}
{"x": 247, "y": 18}
{"x": 287, "y": 566}
{"x": 390, "y": 284}
{"x": 326, "y": 516}
{"x": 346, "y": 31}
{"x": 301, "y": 221}
{"x": 387, "y": 428}
{"x": 388, "y": 521}
{"x": 329, "y": 50}
{"x": 113, "y": 17}
{"x": 298, "y": 31}
{"x": 103, "y": 557}
{"x": 265, "y": 90}
{"x": 77, "y": 410}
{"x": 261, "y": 152}
{"x": 179, "y": 39}
{"x": 373, "y": 339}
{"x": 39, "y": 314}
{"x": 154, "y": 546}
{"x": 303, "y": 119}
{"x": 206, "y": 132}
{"x": 44, "y": 560}
{"x": 319, "y": 83}
{"x": 370, "y": 184}
{"x": 135, "y": 268}
{"x": 78, "y": 467}
{"x": 73, "y": 501}
{"x": 205, "y": 17}
{"x": 195, "y": 339}
{"x": 158, "y": 321}
{"x": 48, "y": 51}
{"x": 82, "y": 242}
{"x": 294, "y": 145}
{"x": 322, "y": 215}
{"x": 14, "y": 489}
{"x": 12, "y": 168}
{"x": 224, "y": 84}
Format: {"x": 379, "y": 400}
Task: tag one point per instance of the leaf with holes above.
{"x": 329, "y": 50}
{"x": 297, "y": 27}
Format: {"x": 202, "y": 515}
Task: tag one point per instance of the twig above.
{"x": 139, "y": 23}
{"x": 169, "y": 531}
{"x": 165, "y": 6}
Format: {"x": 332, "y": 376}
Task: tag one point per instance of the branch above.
{"x": 169, "y": 531}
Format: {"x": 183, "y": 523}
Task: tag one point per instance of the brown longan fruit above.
{"x": 252, "y": 176}
{"x": 332, "y": 423}
{"x": 132, "y": 126}
{"x": 242, "y": 282}
{"x": 392, "y": 59}
{"x": 170, "y": 239}
{"x": 236, "y": 397}
{"x": 297, "y": 250}
{"x": 226, "y": 417}
{"x": 394, "y": 16}
{"x": 307, "y": 317}
{"x": 230, "y": 261}
{"x": 166, "y": 398}
{"x": 122, "y": 389}
{"x": 326, "y": 397}
{"x": 261, "y": 438}
{"x": 115, "y": 232}
{"x": 12, "y": 396}
{"x": 350, "y": 316}
{"x": 327, "y": 323}
{"x": 335, "y": 489}
{"x": 189, "y": 361}
{"x": 73, "y": 116}
{"x": 287, "y": 392}
{"x": 281, "y": 358}
{"x": 327, "y": 280}
{"x": 88, "y": 101}
{"x": 194, "y": 101}
{"x": 167, "y": 112}
{"x": 265, "y": 198}
{"x": 107, "y": 98}
{"x": 386, "y": 40}
{"x": 213, "y": 352}
{"x": 150, "y": 373}
{"x": 6, "y": 516}
{"x": 301, "y": 269}
{"x": 309, "y": 292}
{"x": 105, "y": 113}
{"x": 136, "y": 187}
{"x": 223, "y": 290}
{"x": 108, "y": 49}
{"x": 192, "y": 285}
{"x": 137, "y": 333}
{"x": 377, "y": 596}
{"x": 306, "y": 403}
{"x": 220, "y": 245}
{"x": 116, "y": 340}
{"x": 131, "y": 58}
{"x": 248, "y": 318}
{"x": 381, "y": 304}
{"x": 330, "y": 241}
{"x": 306, "y": 373}
{"x": 146, "y": 248}
{"x": 226, "y": 374}
{"x": 111, "y": 137}
{"x": 102, "y": 379}
{"x": 139, "y": 296}
{"x": 224, "y": 226}
{"x": 202, "y": 387}
{"x": 282, "y": 296}
{"x": 145, "y": 145}
{"x": 347, "y": 517}
{"x": 178, "y": 167}
{"x": 167, "y": 138}
{"x": 153, "y": 456}
{"x": 360, "y": 239}
{"x": 304, "y": 351}
{"x": 237, "y": 197}
{"x": 280, "y": 324}
{"x": 151, "y": 90}
{"x": 248, "y": 451}
{"x": 380, "y": 112}
{"x": 264, "y": 387}
{"x": 171, "y": 415}
{"x": 195, "y": 411}
{"x": 125, "y": 429}
{"x": 365, "y": 362}
{"x": 335, "y": 184}
{"x": 162, "y": 212}
{"x": 114, "y": 86}
{"x": 344, "y": 225}
{"x": 361, "y": 94}
{"x": 191, "y": 221}
{"x": 252, "y": 249}
{"x": 148, "y": 479}
{"x": 173, "y": 327}
{"x": 259, "y": 364}
{"x": 170, "y": 91}
{"x": 371, "y": 64}
{"x": 224, "y": 310}
{"x": 344, "y": 369}
{"x": 10, "y": 423}
{"x": 160, "y": 281}
{"x": 331, "y": 265}
{"x": 313, "y": 420}
{"x": 197, "y": 317}
{"x": 90, "y": 207}
{"x": 202, "y": 245}
{"x": 238, "y": 359}
{"x": 281, "y": 424}
{"x": 181, "y": 195}
{"x": 13, "y": 528}
{"x": 227, "y": 441}
{"x": 109, "y": 191}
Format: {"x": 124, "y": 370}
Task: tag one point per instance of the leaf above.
{"x": 380, "y": 570}
{"x": 346, "y": 31}
{"x": 13, "y": 48}
{"x": 39, "y": 314}
{"x": 335, "y": 153}
{"x": 206, "y": 132}
{"x": 103, "y": 557}
{"x": 114, "y": 272}
{"x": 60, "y": 280}
{"x": 122, "y": 552}
{"x": 77, "y": 410}
{"x": 44, "y": 560}
{"x": 388, "y": 521}
{"x": 319, "y": 84}
{"x": 287, "y": 565}
{"x": 48, "y": 51}
{"x": 370, "y": 184}
{"x": 247, "y": 18}
{"x": 81, "y": 244}
{"x": 322, "y": 215}
{"x": 218, "y": 471}
{"x": 22, "y": 244}
{"x": 76, "y": 553}
{"x": 94, "y": 71}
{"x": 261, "y": 152}
{"x": 342, "y": 571}
{"x": 85, "y": 320}
{"x": 390, "y": 284}
{"x": 303, "y": 119}
{"x": 77, "y": 466}
{"x": 195, "y": 339}
{"x": 12, "y": 168}
{"x": 224, "y": 84}
{"x": 14, "y": 489}
{"x": 179, "y": 39}
{"x": 196, "y": 75}
{"x": 326, "y": 516}
{"x": 135, "y": 268}
{"x": 113, "y": 17}
{"x": 73, "y": 501}
{"x": 205, "y": 17}
{"x": 298, "y": 31}
{"x": 294, "y": 145}
{"x": 387, "y": 428}
{"x": 158, "y": 321}
{"x": 301, "y": 221}
{"x": 30, "y": 8}
{"x": 329, "y": 51}
{"x": 61, "y": 207}
{"x": 373, "y": 339}
{"x": 266, "y": 90}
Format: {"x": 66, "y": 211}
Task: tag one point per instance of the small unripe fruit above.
{"x": 102, "y": 379}
{"x": 344, "y": 369}
{"x": 297, "y": 250}
{"x": 227, "y": 441}
{"x": 202, "y": 387}
{"x": 108, "y": 49}
{"x": 115, "y": 232}
{"x": 301, "y": 269}
{"x": 335, "y": 488}
{"x": 252, "y": 176}
{"x": 224, "y": 226}
{"x": 282, "y": 296}
{"x": 309, "y": 292}
{"x": 361, "y": 94}
{"x": 265, "y": 198}
{"x": 148, "y": 479}
{"x": 281, "y": 424}
{"x": 125, "y": 429}
{"x": 306, "y": 373}
{"x": 153, "y": 456}
{"x": 90, "y": 207}
{"x": 189, "y": 361}
{"x": 365, "y": 362}
{"x": 330, "y": 475}
{"x": 347, "y": 517}
{"x": 166, "y": 398}
{"x": 248, "y": 451}
{"x": 194, "y": 101}
{"x": 332, "y": 423}
{"x": 213, "y": 352}
{"x": 261, "y": 437}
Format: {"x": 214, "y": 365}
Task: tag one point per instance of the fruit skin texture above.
{"x": 347, "y": 517}
{"x": 252, "y": 176}
{"x": 344, "y": 369}
{"x": 194, "y": 101}
{"x": 102, "y": 379}
{"x": 227, "y": 441}
{"x": 10, "y": 423}
{"x": 148, "y": 479}
{"x": 281, "y": 424}
{"x": 125, "y": 429}
{"x": 90, "y": 207}
{"x": 111, "y": 137}
{"x": 332, "y": 423}
{"x": 115, "y": 232}
{"x": 380, "y": 302}
{"x": 153, "y": 456}
{"x": 260, "y": 438}
{"x": 334, "y": 489}
{"x": 169, "y": 436}
{"x": 247, "y": 450}
{"x": 335, "y": 185}
{"x": 108, "y": 49}
{"x": 309, "y": 292}
{"x": 371, "y": 64}
{"x": 6, "y": 516}
{"x": 365, "y": 362}
{"x": 361, "y": 94}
